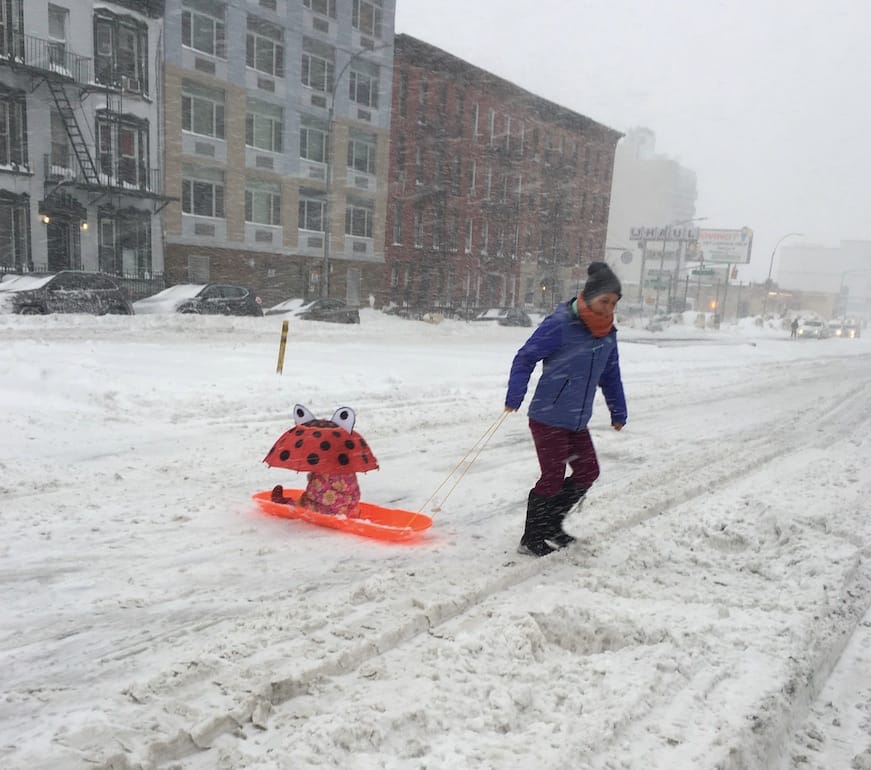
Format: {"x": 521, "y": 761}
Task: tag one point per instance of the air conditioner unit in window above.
{"x": 130, "y": 84}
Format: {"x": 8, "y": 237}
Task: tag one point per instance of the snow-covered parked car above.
{"x": 68, "y": 291}
{"x": 324, "y": 309}
{"x": 202, "y": 299}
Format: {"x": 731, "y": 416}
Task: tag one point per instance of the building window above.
{"x": 313, "y": 143}
{"x": 363, "y": 89}
{"x": 202, "y": 27}
{"x": 323, "y": 7}
{"x": 58, "y": 21}
{"x": 358, "y": 221}
{"x": 264, "y": 124}
{"x": 14, "y": 230}
{"x": 361, "y": 153}
{"x": 59, "y": 157}
{"x": 485, "y": 237}
{"x": 318, "y": 69}
{"x": 120, "y": 51}
{"x": 397, "y": 224}
{"x": 418, "y": 230}
{"x": 202, "y": 192}
{"x": 263, "y": 202}
{"x": 124, "y": 242}
{"x": 492, "y": 126}
{"x": 470, "y": 226}
{"x": 11, "y": 28}
{"x": 403, "y": 94}
{"x": 311, "y": 213}
{"x": 264, "y": 49}
{"x": 418, "y": 165}
{"x": 13, "y": 128}
{"x": 122, "y": 143}
{"x": 366, "y": 17}
{"x": 202, "y": 110}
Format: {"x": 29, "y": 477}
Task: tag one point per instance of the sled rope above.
{"x": 479, "y": 444}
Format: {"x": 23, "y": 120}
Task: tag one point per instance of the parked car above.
{"x": 836, "y": 329}
{"x": 505, "y": 316}
{"x": 202, "y": 299}
{"x": 68, "y": 291}
{"x": 324, "y": 309}
{"x": 813, "y": 329}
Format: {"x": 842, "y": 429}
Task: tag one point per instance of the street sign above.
{"x": 703, "y": 271}
{"x": 665, "y": 233}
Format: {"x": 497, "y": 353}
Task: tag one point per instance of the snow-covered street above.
{"x": 153, "y": 618}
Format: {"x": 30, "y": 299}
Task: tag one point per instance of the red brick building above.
{"x": 497, "y": 197}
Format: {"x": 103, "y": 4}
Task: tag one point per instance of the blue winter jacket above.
{"x": 574, "y": 363}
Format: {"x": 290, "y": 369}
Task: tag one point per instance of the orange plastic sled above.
{"x": 375, "y": 520}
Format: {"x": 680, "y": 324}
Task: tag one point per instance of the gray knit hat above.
{"x": 600, "y": 280}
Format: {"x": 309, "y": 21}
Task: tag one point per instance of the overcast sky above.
{"x": 768, "y": 101}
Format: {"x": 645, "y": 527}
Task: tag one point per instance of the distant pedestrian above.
{"x": 577, "y": 344}
{"x": 793, "y": 329}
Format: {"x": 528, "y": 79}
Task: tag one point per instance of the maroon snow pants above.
{"x": 558, "y": 447}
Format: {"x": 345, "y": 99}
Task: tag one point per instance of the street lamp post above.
{"x": 325, "y": 278}
{"x": 771, "y": 267}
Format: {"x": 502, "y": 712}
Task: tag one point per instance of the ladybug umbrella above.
{"x": 322, "y": 446}
{"x": 332, "y": 449}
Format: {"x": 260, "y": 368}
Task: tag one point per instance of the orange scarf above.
{"x": 599, "y": 325}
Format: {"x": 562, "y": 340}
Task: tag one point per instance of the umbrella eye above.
{"x": 345, "y": 418}
{"x": 302, "y": 414}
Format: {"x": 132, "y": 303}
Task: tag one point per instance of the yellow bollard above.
{"x": 280, "y": 368}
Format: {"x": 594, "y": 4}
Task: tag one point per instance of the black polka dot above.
{"x": 284, "y": 454}
{"x": 317, "y": 434}
{"x": 363, "y": 442}
{"x": 349, "y": 444}
{"x": 313, "y": 459}
{"x": 337, "y": 434}
{"x": 344, "y": 459}
{"x": 365, "y": 458}
{"x": 299, "y": 431}
{"x": 325, "y": 446}
{"x": 299, "y": 443}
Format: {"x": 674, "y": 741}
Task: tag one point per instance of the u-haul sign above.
{"x": 732, "y": 246}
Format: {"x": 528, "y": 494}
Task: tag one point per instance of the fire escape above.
{"x": 64, "y": 72}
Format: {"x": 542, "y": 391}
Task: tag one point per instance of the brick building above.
{"x": 497, "y": 196}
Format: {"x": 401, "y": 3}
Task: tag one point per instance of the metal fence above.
{"x": 138, "y": 286}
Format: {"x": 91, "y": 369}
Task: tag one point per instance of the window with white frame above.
{"x": 492, "y": 126}
{"x": 361, "y": 153}
{"x": 262, "y": 202}
{"x": 318, "y": 66}
{"x": 313, "y": 141}
{"x": 264, "y": 124}
{"x": 122, "y": 143}
{"x": 264, "y": 47}
{"x": 485, "y": 237}
{"x": 203, "y": 27}
{"x": 202, "y": 110}
{"x": 358, "y": 220}
{"x": 366, "y": 17}
{"x": 202, "y": 192}
{"x": 363, "y": 89}
{"x": 322, "y": 7}
{"x": 311, "y": 212}
{"x": 470, "y": 228}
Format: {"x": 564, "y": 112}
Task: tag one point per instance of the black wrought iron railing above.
{"x": 125, "y": 176}
{"x": 48, "y": 56}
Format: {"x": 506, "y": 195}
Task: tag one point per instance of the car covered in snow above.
{"x": 324, "y": 309}
{"x": 202, "y": 299}
{"x": 505, "y": 316}
{"x": 67, "y": 291}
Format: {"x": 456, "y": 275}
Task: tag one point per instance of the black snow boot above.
{"x": 564, "y": 501}
{"x": 538, "y": 517}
